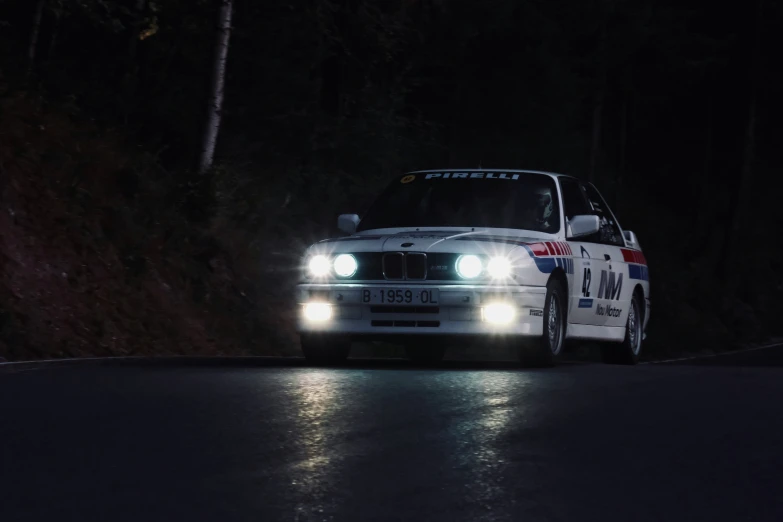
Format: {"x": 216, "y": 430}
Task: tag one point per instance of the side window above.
{"x": 610, "y": 231}
{"x": 574, "y": 201}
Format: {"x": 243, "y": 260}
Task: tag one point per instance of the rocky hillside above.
{"x": 96, "y": 257}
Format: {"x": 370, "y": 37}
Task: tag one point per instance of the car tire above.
{"x": 425, "y": 354}
{"x": 546, "y": 350}
{"x": 325, "y": 349}
{"x": 628, "y": 351}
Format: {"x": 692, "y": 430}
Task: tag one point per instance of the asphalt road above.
{"x": 277, "y": 440}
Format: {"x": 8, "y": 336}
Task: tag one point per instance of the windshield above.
{"x": 519, "y": 200}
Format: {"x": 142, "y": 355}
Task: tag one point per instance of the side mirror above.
{"x": 630, "y": 239}
{"x": 583, "y": 225}
{"x": 347, "y": 223}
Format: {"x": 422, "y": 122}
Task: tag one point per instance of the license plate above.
{"x": 401, "y": 296}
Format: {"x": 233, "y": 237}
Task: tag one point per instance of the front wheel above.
{"x": 547, "y": 349}
{"x": 325, "y": 349}
{"x": 629, "y": 350}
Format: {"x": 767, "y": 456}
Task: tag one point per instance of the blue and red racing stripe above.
{"x": 547, "y": 255}
{"x": 637, "y": 264}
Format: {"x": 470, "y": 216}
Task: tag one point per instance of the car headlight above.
{"x": 469, "y": 266}
{"x": 499, "y": 313}
{"x": 317, "y": 312}
{"x": 319, "y": 266}
{"x": 499, "y": 267}
{"x": 345, "y": 265}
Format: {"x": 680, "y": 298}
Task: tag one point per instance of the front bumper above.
{"x": 459, "y": 311}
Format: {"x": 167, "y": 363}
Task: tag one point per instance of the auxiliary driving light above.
{"x": 345, "y": 265}
{"x": 319, "y": 266}
{"x": 317, "y": 311}
{"x": 469, "y": 266}
{"x": 499, "y": 313}
{"x": 499, "y": 267}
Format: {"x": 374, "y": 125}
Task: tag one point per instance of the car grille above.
{"x": 416, "y": 266}
{"x": 379, "y": 266}
{"x": 393, "y": 265}
{"x": 411, "y": 266}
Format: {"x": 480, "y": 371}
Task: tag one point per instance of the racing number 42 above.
{"x": 586, "y": 283}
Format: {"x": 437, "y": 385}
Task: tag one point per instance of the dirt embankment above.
{"x": 94, "y": 257}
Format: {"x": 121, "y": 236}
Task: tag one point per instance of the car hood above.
{"x": 454, "y": 241}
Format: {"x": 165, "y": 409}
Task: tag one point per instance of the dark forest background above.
{"x": 112, "y": 241}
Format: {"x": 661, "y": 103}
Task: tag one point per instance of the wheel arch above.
{"x": 639, "y": 290}
{"x": 559, "y": 275}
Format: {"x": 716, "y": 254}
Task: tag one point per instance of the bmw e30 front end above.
{"x": 412, "y": 292}
{"x": 438, "y": 255}
{"x": 533, "y": 258}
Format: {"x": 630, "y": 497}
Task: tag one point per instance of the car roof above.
{"x": 553, "y": 174}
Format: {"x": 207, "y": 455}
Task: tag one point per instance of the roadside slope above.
{"x": 94, "y": 257}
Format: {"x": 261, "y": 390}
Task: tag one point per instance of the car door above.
{"x": 588, "y": 257}
{"x": 613, "y": 289}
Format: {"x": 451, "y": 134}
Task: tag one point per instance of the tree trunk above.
{"x": 731, "y": 268}
{"x": 133, "y": 37}
{"x": 33, "y": 47}
{"x": 164, "y": 71}
{"x": 330, "y": 83}
{"x": 706, "y": 192}
{"x": 595, "y": 145}
{"x": 598, "y": 108}
{"x": 453, "y": 129}
{"x": 618, "y": 193}
{"x": 55, "y": 35}
{"x": 130, "y": 78}
{"x": 215, "y": 107}
{"x": 709, "y": 240}
{"x": 332, "y": 64}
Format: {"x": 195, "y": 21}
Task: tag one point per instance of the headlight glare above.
{"x": 319, "y": 266}
{"x": 469, "y": 266}
{"x": 499, "y": 313}
{"x": 499, "y": 267}
{"x": 317, "y": 312}
{"x": 345, "y": 265}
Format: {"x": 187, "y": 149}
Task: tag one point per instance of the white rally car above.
{"x": 532, "y": 258}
